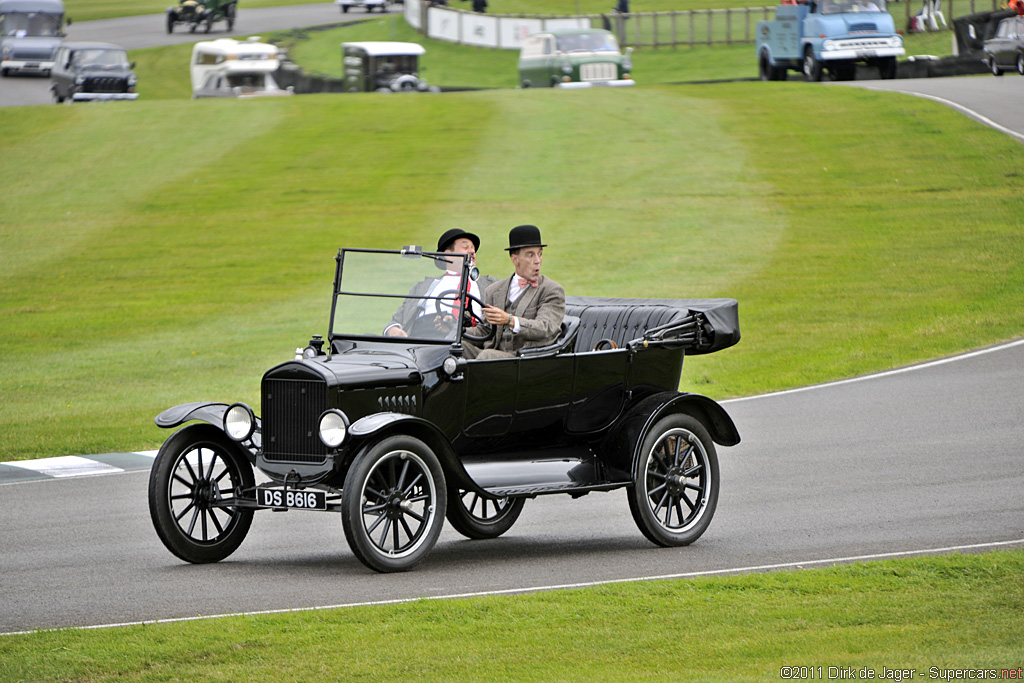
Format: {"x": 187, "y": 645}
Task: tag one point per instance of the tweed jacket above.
{"x": 539, "y": 309}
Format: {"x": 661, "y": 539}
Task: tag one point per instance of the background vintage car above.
{"x": 368, "y": 5}
{"x": 383, "y": 66}
{"x": 574, "y": 58}
{"x": 193, "y": 14}
{"x": 84, "y": 72}
{"x": 399, "y": 433}
{"x": 1005, "y": 50}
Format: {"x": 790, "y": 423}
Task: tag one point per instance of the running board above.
{"x": 542, "y": 476}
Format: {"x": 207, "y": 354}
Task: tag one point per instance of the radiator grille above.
{"x": 291, "y": 408}
{"x": 106, "y": 84}
{"x": 598, "y": 71}
{"x": 29, "y": 54}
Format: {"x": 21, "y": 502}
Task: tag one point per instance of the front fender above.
{"x": 383, "y": 424}
{"x": 206, "y": 411}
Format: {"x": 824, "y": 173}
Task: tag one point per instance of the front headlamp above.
{"x": 333, "y": 428}
{"x": 239, "y": 422}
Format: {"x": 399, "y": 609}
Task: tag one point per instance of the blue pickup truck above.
{"x": 832, "y": 35}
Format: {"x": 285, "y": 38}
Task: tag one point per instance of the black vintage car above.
{"x": 397, "y": 433}
{"x": 196, "y": 13}
{"x": 92, "y": 72}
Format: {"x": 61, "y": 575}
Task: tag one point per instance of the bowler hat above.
{"x": 524, "y": 236}
{"x": 455, "y": 233}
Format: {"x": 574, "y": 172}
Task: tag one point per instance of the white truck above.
{"x": 30, "y": 33}
{"x": 235, "y": 68}
{"x": 833, "y": 35}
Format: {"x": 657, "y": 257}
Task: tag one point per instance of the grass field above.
{"x": 190, "y": 245}
{"x": 929, "y": 615}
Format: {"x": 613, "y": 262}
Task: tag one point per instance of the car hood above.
{"x": 363, "y": 367}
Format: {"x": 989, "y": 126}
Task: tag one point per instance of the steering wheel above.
{"x": 452, "y": 295}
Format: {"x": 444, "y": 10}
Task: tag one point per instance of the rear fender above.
{"x": 378, "y": 425}
{"x": 622, "y": 445}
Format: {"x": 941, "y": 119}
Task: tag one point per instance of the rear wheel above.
{"x": 393, "y": 505}
{"x": 475, "y": 516}
{"x": 675, "y": 489}
{"x": 195, "y": 475}
{"x": 994, "y": 68}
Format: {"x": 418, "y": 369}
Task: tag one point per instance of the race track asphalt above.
{"x": 926, "y": 459}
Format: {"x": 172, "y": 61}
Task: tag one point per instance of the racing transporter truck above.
{"x": 832, "y": 35}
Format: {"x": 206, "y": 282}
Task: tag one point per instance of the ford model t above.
{"x": 398, "y": 433}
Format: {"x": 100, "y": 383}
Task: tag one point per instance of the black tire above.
{"x": 1020, "y": 63}
{"x": 477, "y": 517}
{"x": 57, "y": 99}
{"x": 393, "y": 505}
{"x": 887, "y": 68}
{"x": 812, "y": 67}
{"x": 763, "y": 68}
{"x": 994, "y": 68}
{"x": 170, "y": 23}
{"x": 196, "y": 467}
{"x": 208, "y": 24}
{"x": 675, "y": 490}
{"x": 344, "y": 9}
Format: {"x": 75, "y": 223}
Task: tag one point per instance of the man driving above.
{"x": 404, "y": 321}
{"x": 526, "y": 308}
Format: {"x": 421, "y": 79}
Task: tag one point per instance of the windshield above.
{"x": 840, "y": 6}
{"x": 391, "y": 295}
{"x": 23, "y": 24}
{"x": 587, "y": 42}
{"x": 100, "y": 59}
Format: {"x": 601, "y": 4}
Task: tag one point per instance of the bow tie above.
{"x": 523, "y": 282}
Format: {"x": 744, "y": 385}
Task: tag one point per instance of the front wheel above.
{"x": 477, "y": 517}
{"x": 675, "y": 489}
{"x": 887, "y": 68}
{"x": 170, "y": 23}
{"x": 393, "y": 504}
{"x": 1020, "y": 63}
{"x": 994, "y": 68}
{"x": 812, "y": 67}
{"x": 196, "y": 474}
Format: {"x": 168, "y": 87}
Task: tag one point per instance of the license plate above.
{"x": 290, "y": 498}
{"x": 864, "y": 54}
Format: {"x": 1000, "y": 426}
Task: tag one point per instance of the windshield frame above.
{"x": 409, "y": 252}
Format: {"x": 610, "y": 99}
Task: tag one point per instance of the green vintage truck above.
{"x": 574, "y": 58}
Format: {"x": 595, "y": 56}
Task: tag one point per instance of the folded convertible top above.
{"x": 720, "y": 317}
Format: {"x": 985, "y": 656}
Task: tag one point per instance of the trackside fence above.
{"x": 683, "y": 28}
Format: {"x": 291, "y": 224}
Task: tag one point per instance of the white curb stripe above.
{"x": 886, "y": 373}
{"x": 565, "y": 586}
{"x": 66, "y": 466}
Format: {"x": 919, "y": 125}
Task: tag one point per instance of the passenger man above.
{"x": 457, "y": 241}
{"x": 526, "y": 308}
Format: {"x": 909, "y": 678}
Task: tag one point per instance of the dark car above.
{"x": 85, "y": 72}
{"x": 1005, "y": 50}
{"x": 397, "y": 433}
{"x": 195, "y": 13}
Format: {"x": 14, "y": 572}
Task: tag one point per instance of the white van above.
{"x": 234, "y": 68}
